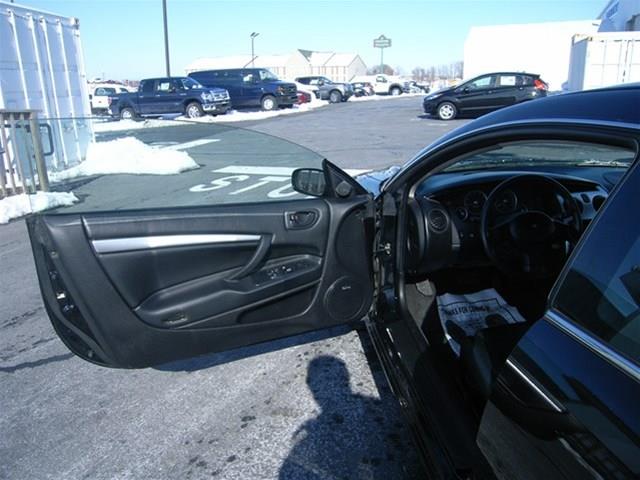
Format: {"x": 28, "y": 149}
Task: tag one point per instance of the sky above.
{"x": 123, "y": 39}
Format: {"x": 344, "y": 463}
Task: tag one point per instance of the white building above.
{"x": 340, "y": 67}
{"x": 542, "y": 48}
{"x": 620, "y": 16}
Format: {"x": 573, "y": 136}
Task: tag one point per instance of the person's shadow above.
{"x": 352, "y": 437}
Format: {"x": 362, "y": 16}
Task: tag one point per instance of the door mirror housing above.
{"x": 466, "y": 90}
{"x": 309, "y": 181}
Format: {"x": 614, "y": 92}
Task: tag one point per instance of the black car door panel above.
{"x": 139, "y": 288}
{"x": 566, "y": 401}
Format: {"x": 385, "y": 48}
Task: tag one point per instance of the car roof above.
{"x": 507, "y": 73}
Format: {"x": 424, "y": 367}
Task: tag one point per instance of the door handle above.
{"x": 300, "y": 220}
{"x": 256, "y": 261}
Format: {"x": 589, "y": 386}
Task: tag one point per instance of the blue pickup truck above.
{"x": 250, "y": 87}
{"x": 169, "y": 95}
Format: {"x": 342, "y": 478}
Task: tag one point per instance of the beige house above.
{"x": 340, "y": 67}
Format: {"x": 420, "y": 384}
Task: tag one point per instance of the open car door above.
{"x": 138, "y": 288}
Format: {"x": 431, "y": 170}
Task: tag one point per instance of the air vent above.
{"x": 438, "y": 220}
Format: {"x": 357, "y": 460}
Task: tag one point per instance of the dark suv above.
{"x": 484, "y": 94}
{"x": 250, "y": 87}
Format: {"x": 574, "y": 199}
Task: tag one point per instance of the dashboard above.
{"x": 444, "y": 225}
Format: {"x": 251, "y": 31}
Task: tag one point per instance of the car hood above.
{"x": 442, "y": 91}
{"x": 372, "y": 181}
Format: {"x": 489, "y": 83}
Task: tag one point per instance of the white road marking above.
{"x": 194, "y": 143}
{"x": 278, "y": 171}
{"x": 239, "y": 174}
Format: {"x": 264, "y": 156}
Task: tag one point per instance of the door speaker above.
{"x": 344, "y": 298}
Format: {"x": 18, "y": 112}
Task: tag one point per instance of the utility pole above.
{"x": 253, "y": 56}
{"x": 166, "y": 37}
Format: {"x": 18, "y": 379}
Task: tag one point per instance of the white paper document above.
{"x": 473, "y": 312}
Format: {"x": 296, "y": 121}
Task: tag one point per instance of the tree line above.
{"x": 422, "y": 74}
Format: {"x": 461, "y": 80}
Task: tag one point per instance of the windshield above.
{"x": 267, "y": 76}
{"x": 523, "y": 154}
{"x": 189, "y": 83}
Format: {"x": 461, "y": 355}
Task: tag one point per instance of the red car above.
{"x": 303, "y": 97}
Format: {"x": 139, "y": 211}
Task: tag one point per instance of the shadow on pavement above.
{"x": 350, "y": 438}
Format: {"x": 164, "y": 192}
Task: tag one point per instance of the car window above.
{"x": 189, "y": 83}
{"x": 147, "y": 87}
{"x": 381, "y": 79}
{"x": 164, "y": 86}
{"x": 601, "y": 290}
{"x": 105, "y": 91}
{"x": 266, "y": 75}
{"x": 123, "y": 90}
{"x": 539, "y": 153}
{"x": 482, "y": 82}
{"x": 509, "y": 80}
{"x": 172, "y": 163}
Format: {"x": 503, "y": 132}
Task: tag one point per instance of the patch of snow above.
{"x": 373, "y": 98}
{"x": 20, "y": 205}
{"x": 128, "y": 155}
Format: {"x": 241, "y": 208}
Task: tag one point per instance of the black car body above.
{"x": 250, "y": 87}
{"x": 484, "y": 94}
{"x": 536, "y": 201}
{"x": 169, "y": 95}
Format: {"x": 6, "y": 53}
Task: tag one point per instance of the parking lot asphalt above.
{"x": 313, "y": 406}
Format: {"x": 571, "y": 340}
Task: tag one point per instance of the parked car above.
{"x": 99, "y": 94}
{"x": 303, "y": 97}
{"x": 250, "y": 87}
{"x": 415, "y": 87}
{"x": 325, "y": 89}
{"x": 513, "y": 238}
{"x": 383, "y": 84}
{"x": 362, "y": 89}
{"x": 484, "y": 94}
{"x": 167, "y": 95}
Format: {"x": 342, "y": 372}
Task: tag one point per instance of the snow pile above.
{"x": 386, "y": 97}
{"x": 128, "y": 155}
{"x": 20, "y": 205}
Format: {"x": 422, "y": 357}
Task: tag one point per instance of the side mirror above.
{"x": 466, "y": 89}
{"x": 309, "y": 181}
{"x": 90, "y": 97}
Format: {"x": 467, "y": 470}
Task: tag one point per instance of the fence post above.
{"x": 3, "y": 179}
{"x": 41, "y": 167}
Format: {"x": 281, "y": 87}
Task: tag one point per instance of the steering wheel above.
{"x": 531, "y": 239}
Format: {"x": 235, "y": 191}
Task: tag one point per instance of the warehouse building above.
{"x": 340, "y": 67}
{"x": 568, "y": 55}
{"x": 620, "y": 16}
{"x": 543, "y": 48}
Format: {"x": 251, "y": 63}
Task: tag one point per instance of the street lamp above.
{"x": 253, "y": 57}
{"x": 166, "y": 37}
